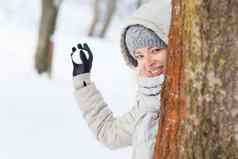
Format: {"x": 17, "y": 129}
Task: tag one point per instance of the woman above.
{"x": 144, "y": 48}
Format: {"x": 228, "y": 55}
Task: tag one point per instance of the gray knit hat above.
{"x": 137, "y": 36}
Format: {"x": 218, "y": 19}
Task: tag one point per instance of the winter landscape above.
{"x": 39, "y": 118}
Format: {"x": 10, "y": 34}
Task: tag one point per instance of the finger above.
{"x": 83, "y": 57}
{"x": 73, "y": 49}
{"x": 86, "y": 47}
{"x": 80, "y": 46}
{"x": 90, "y": 56}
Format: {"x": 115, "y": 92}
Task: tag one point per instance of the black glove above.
{"x": 86, "y": 65}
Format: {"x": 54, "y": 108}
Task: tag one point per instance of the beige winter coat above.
{"x": 138, "y": 127}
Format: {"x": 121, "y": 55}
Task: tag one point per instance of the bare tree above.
{"x": 140, "y": 2}
{"x": 95, "y": 20}
{"x": 103, "y": 13}
{"x": 44, "y": 51}
{"x": 111, "y": 7}
{"x": 199, "y": 114}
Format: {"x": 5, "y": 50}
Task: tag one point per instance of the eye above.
{"x": 138, "y": 57}
{"x": 156, "y": 50}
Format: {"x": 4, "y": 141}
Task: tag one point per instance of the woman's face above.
{"x": 151, "y": 61}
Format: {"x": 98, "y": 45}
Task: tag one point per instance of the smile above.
{"x": 157, "y": 71}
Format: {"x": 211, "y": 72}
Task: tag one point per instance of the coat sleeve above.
{"x": 112, "y": 132}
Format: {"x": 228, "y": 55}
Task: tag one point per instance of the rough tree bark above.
{"x": 199, "y": 114}
{"x": 44, "y": 51}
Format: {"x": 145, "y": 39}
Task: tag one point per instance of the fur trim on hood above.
{"x": 154, "y": 15}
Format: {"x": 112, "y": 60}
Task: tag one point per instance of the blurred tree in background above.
{"x": 102, "y": 12}
{"x": 45, "y": 46}
{"x": 102, "y": 16}
{"x": 140, "y": 2}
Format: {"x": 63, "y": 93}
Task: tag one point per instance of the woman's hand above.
{"x": 86, "y": 64}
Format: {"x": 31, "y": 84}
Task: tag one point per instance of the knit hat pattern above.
{"x": 137, "y": 36}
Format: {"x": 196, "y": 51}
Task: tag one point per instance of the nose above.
{"x": 148, "y": 61}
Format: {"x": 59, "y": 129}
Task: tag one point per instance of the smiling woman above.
{"x": 151, "y": 61}
{"x": 147, "y": 48}
{"x": 144, "y": 48}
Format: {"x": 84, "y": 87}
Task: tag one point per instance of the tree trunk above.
{"x": 199, "y": 111}
{"x": 95, "y": 20}
{"x": 141, "y": 2}
{"x": 44, "y": 52}
{"x": 111, "y": 6}
{"x": 138, "y": 3}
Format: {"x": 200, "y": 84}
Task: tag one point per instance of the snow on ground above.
{"x": 39, "y": 118}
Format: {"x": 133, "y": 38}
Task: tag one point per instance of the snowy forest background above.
{"x": 39, "y": 117}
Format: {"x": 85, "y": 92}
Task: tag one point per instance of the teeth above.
{"x": 156, "y": 71}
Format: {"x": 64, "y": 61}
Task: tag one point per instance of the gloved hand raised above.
{"x": 86, "y": 65}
